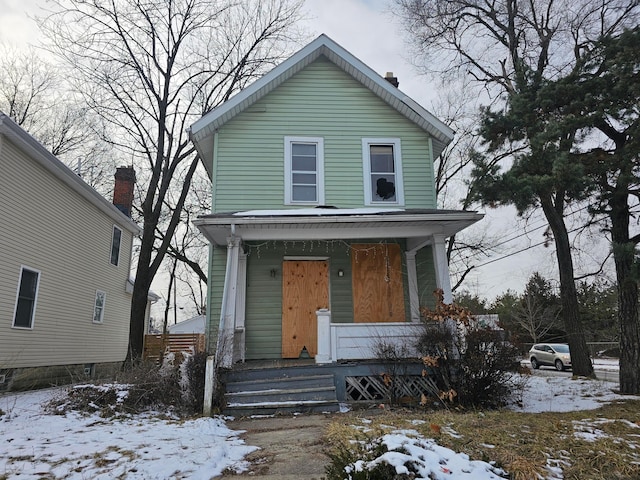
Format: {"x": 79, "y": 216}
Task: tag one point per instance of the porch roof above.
{"x": 419, "y": 225}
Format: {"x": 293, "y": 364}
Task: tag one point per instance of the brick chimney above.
{"x": 123, "y": 189}
{"x": 391, "y": 79}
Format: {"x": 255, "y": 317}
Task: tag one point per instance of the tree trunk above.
{"x": 580, "y": 360}
{"x": 624, "y": 258}
{"x": 140, "y": 297}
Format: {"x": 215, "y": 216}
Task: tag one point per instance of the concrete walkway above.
{"x": 291, "y": 447}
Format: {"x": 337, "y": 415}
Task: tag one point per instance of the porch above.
{"x": 364, "y": 265}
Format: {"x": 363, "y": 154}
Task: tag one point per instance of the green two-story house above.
{"x": 324, "y": 219}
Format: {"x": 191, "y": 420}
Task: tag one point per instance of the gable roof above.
{"x": 34, "y": 150}
{"x": 202, "y": 131}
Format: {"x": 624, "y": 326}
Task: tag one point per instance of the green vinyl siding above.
{"x": 426, "y": 277}
{"x": 264, "y": 293}
{"x": 217, "y": 269}
{"x": 320, "y": 101}
{"x": 263, "y": 316}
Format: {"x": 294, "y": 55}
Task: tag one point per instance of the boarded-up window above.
{"x": 378, "y": 292}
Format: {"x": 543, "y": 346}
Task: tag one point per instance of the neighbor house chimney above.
{"x": 123, "y": 189}
{"x": 391, "y": 79}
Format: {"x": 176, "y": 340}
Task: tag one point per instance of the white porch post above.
{"x": 241, "y": 295}
{"x": 324, "y": 336}
{"x": 412, "y": 280}
{"x": 442, "y": 267}
{"x": 228, "y": 311}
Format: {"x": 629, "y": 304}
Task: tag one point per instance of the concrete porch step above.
{"x": 282, "y": 395}
{"x": 279, "y": 390}
{"x": 278, "y": 382}
{"x": 276, "y": 408}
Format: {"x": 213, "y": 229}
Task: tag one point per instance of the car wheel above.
{"x": 534, "y": 363}
{"x": 559, "y": 365}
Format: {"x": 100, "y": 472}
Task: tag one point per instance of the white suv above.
{"x": 551, "y": 354}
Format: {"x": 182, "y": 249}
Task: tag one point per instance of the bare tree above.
{"x": 535, "y": 318}
{"x": 458, "y": 106}
{"x": 35, "y": 94}
{"x": 150, "y": 69}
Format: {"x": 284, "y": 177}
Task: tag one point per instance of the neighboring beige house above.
{"x": 65, "y": 257}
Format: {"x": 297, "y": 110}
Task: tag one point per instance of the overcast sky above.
{"x": 368, "y": 31}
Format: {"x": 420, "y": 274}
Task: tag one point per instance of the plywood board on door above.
{"x": 305, "y": 290}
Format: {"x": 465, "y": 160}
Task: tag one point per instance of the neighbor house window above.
{"x": 98, "y": 306}
{"x": 382, "y": 171}
{"x": 304, "y": 171}
{"x": 27, "y": 295}
{"x": 115, "y": 245}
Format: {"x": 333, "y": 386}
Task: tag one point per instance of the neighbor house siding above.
{"x": 49, "y": 227}
{"x": 249, "y": 165}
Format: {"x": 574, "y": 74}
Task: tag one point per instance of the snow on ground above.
{"x": 36, "y": 445}
{"x": 565, "y": 394}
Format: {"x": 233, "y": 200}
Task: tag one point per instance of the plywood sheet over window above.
{"x": 378, "y": 292}
{"x": 305, "y": 290}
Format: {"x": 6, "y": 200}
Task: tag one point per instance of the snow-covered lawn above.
{"x": 36, "y": 445}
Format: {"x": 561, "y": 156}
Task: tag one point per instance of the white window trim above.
{"x": 366, "y": 168}
{"x": 104, "y": 303}
{"x": 113, "y": 231}
{"x": 35, "y": 301}
{"x": 288, "y": 187}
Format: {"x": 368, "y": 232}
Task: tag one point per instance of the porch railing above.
{"x": 358, "y": 341}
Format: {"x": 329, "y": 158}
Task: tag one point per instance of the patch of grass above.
{"x": 586, "y": 445}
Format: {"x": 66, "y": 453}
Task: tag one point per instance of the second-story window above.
{"x": 382, "y": 171}
{"x": 115, "y": 245}
{"x": 304, "y": 171}
{"x": 25, "y": 308}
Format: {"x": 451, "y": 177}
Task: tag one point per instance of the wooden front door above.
{"x": 378, "y": 292}
{"x": 305, "y": 289}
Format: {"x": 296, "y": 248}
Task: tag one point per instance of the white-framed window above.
{"x": 98, "y": 306}
{"x": 382, "y": 167}
{"x": 26, "y": 298}
{"x": 304, "y": 171}
{"x": 116, "y": 239}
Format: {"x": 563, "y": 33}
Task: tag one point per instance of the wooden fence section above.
{"x": 157, "y": 346}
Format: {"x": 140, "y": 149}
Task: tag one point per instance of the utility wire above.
{"x": 521, "y": 250}
{"x": 516, "y": 236}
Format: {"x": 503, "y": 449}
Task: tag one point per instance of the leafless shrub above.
{"x": 172, "y": 387}
{"x": 471, "y": 365}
